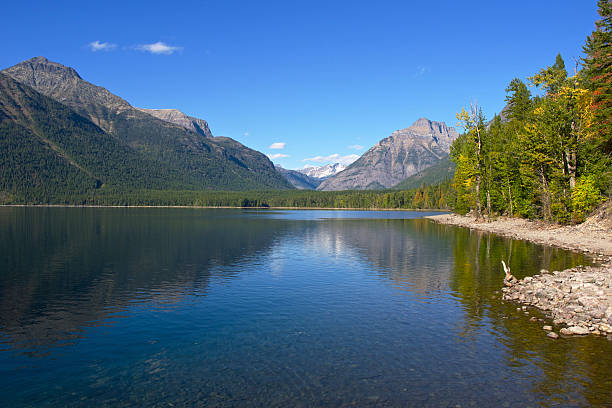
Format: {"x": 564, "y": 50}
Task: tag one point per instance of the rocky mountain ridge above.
{"x": 393, "y": 159}
{"x": 201, "y": 160}
{"x": 177, "y": 117}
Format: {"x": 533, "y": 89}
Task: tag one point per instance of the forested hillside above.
{"x": 48, "y": 152}
{"x": 441, "y": 171}
{"x": 202, "y": 162}
{"x": 551, "y": 159}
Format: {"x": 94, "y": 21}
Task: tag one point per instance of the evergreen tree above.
{"x": 597, "y": 71}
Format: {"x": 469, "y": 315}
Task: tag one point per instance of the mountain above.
{"x": 439, "y": 172}
{"x": 203, "y": 162}
{"x": 298, "y": 179}
{"x": 395, "y": 158}
{"x": 309, "y": 178}
{"x": 48, "y": 151}
{"x": 322, "y": 172}
{"x": 179, "y": 118}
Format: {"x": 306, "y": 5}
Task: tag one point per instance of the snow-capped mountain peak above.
{"x": 322, "y": 172}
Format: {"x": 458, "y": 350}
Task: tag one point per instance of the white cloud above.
{"x": 101, "y": 46}
{"x": 278, "y": 145}
{"x": 333, "y": 158}
{"x": 277, "y": 156}
{"x": 355, "y": 147}
{"x": 159, "y": 48}
{"x": 420, "y": 71}
{"x": 321, "y": 159}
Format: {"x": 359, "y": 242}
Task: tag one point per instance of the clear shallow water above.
{"x": 151, "y": 307}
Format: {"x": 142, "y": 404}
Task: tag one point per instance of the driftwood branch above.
{"x": 509, "y": 279}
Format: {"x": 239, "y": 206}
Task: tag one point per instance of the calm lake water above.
{"x": 193, "y": 307}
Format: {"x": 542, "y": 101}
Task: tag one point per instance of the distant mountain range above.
{"x": 404, "y": 153}
{"x": 322, "y": 172}
{"x": 61, "y": 135}
{"x": 299, "y": 180}
{"x": 310, "y": 177}
{"x": 88, "y": 137}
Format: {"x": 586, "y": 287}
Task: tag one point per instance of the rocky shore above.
{"x": 578, "y": 300}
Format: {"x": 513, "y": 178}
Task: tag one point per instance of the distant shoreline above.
{"x": 221, "y": 207}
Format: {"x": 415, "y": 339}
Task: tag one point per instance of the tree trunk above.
{"x": 510, "y": 196}
{"x": 545, "y": 197}
{"x": 478, "y": 206}
{"x": 571, "y": 167}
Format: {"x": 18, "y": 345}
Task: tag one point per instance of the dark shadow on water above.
{"x": 64, "y": 269}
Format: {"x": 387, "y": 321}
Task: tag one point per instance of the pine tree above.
{"x": 597, "y": 71}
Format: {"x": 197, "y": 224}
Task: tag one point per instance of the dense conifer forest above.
{"x": 425, "y": 197}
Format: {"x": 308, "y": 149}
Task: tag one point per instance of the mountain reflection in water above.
{"x": 130, "y": 307}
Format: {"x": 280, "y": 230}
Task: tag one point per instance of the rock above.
{"x": 552, "y": 335}
{"x": 565, "y": 331}
{"x": 547, "y": 328}
{"x": 179, "y": 118}
{"x": 605, "y": 327}
{"x": 579, "y": 330}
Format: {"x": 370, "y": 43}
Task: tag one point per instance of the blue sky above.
{"x": 318, "y": 80}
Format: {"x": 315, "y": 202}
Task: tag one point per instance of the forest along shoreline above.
{"x": 579, "y": 299}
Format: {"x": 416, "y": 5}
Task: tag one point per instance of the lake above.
{"x": 213, "y": 307}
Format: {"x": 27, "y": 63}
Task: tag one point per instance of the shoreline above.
{"x": 578, "y": 300}
{"x": 221, "y": 207}
{"x": 591, "y": 237}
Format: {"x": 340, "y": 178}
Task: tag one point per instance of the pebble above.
{"x": 547, "y": 328}
{"x": 552, "y": 335}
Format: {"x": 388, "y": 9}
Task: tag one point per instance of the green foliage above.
{"x": 545, "y": 161}
{"x": 439, "y": 172}
{"x": 597, "y": 74}
{"x": 585, "y": 197}
{"x": 425, "y": 197}
{"x": 519, "y": 100}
